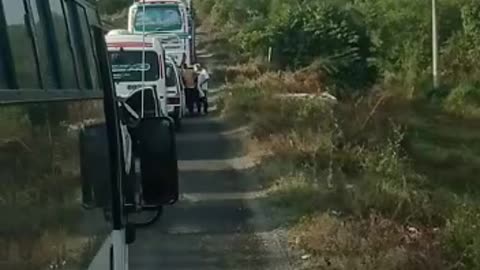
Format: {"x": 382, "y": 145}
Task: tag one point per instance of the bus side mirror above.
{"x": 158, "y": 161}
{"x": 95, "y": 166}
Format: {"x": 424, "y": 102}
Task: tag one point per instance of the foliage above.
{"x": 331, "y": 33}
{"x": 464, "y": 100}
{"x": 112, "y": 6}
{"x": 372, "y": 243}
{"x": 462, "y": 236}
{"x": 357, "y": 160}
{"x": 355, "y": 42}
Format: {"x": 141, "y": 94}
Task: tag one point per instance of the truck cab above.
{"x": 169, "y": 20}
{"x": 127, "y": 53}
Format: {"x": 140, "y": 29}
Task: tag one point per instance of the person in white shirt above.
{"x": 202, "y": 86}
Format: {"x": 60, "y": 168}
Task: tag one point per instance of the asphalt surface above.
{"x": 220, "y": 221}
{"x": 214, "y": 226}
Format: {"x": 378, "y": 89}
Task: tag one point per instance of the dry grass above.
{"x": 296, "y": 82}
{"x": 371, "y": 243}
{"x": 357, "y": 158}
{"x": 241, "y": 72}
{"x": 276, "y": 81}
{"x": 54, "y": 249}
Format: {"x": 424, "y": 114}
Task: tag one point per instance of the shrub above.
{"x": 464, "y": 101}
{"x": 299, "y": 38}
{"x": 247, "y": 71}
{"x": 461, "y": 240}
{"x": 242, "y": 102}
{"x": 293, "y": 82}
{"x": 112, "y": 6}
{"x": 296, "y": 193}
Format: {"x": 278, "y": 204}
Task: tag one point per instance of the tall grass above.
{"x": 42, "y": 224}
{"x": 389, "y": 173}
{"x": 354, "y": 159}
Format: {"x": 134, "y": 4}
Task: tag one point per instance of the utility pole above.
{"x": 435, "y": 45}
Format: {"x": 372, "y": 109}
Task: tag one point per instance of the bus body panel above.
{"x": 52, "y": 114}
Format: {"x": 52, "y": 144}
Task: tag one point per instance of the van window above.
{"x": 171, "y": 77}
{"x": 66, "y": 61}
{"x": 159, "y": 18}
{"x": 127, "y": 66}
{"x": 24, "y": 60}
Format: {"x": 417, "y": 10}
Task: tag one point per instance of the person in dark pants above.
{"x": 189, "y": 81}
{"x": 202, "y": 84}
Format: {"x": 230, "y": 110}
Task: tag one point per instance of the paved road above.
{"x": 215, "y": 225}
{"x": 219, "y": 222}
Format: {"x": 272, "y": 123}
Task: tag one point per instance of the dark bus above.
{"x": 75, "y": 161}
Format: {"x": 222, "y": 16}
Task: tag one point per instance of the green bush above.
{"x": 461, "y": 237}
{"x": 333, "y": 33}
{"x": 464, "y": 101}
{"x": 241, "y": 102}
{"x": 112, "y": 6}
{"x": 354, "y": 41}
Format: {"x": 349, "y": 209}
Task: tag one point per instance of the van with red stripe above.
{"x": 138, "y": 62}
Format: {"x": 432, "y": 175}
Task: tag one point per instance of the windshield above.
{"x": 158, "y": 18}
{"x": 127, "y": 66}
{"x": 171, "y": 76}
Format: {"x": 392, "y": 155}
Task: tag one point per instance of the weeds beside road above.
{"x": 372, "y": 183}
{"x": 387, "y": 177}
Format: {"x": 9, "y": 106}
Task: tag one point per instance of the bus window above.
{"x": 40, "y": 29}
{"x": 64, "y": 50}
{"x": 3, "y": 76}
{"x": 59, "y": 150}
{"x": 88, "y": 45}
{"x": 24, "y": 60}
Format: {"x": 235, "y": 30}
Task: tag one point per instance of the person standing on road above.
{"x": 202, "y": 85}
{"x": 191, "y": 92}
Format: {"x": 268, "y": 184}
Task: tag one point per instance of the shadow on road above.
{"x": 214, "y": 226}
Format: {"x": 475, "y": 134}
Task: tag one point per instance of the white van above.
{"x": 126, "y": 58}
{"x": 176, "y": 104}
{"x": 167, "y": 19}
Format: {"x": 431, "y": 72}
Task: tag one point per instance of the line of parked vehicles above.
{"x": 149, "y": 54}
{"x": 146, "y": 63}
{"x": 88, "y": 124}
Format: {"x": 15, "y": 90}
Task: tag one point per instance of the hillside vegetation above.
{"x": 387, "y": 176}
